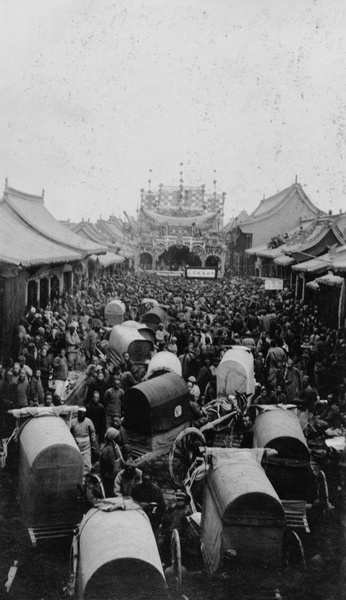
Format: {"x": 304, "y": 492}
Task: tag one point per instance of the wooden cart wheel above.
{"x": 183, "y": 453}
{"x": 73, "y": 567}
{"x": 176, "y": 562}
{"x": 295, "y": 550}
{"x": 323, "y": 491}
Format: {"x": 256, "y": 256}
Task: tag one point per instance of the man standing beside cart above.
{"x": 83, "y": 431}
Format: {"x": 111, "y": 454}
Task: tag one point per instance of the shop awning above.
{"x": 330, "y": 279}
{"x": 108, "y": 259}
{"x": 321, "y": 263}
{"x": 313, "y": 285}
{"x": 284, "y": 260}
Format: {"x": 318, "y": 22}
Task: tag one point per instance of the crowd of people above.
{"x": 297, "y": 359}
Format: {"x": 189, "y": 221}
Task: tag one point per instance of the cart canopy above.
{"x": 158, "y": 405}
{"x": 114, "y": 312}
{"x": 154, "y": 317}
{"x": 118, "y": 555}
{"x": 235, "y": 372}
{"x": 127, "y": 339}
{"x": 280, "y": 429}
{"x": 50, "y": 467}
{"x": 241, "y": 510}
{"x": 163, "y": 362}
{"x": 146, "y": 332}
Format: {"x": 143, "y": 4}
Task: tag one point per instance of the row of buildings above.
{"x": 289, "y": 238}
{"x": 286, "y": 237}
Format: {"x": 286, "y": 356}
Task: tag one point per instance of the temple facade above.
{"x": 181, "y": 226}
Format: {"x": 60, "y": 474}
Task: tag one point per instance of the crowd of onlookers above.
{"x": 297, "y": 357}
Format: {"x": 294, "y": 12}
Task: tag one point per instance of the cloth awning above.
{"x": 255, "y": 251}
{"x": 321, "y": 263}
{"x": 313, "y": 285}
{"x": 330, "y": 279}
{"x": 108, "y": 259}
{"x": 284, "y": 260}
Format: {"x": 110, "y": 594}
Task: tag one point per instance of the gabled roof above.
{"x": 270, "y": 205}
{"x": 32, "y": 211}
{"x": 113, "y": 234}
{"x": 232, "y": 223}
{"x": 21, "y": 244}
{"x": 90, "y": 232}
{"x": 323, "y": 235}
{"x": 198, "y": 220}
{"x": 278, "y": 214}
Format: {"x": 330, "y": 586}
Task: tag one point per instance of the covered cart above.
{"x": 163, "y": 362}
{"x": 114, "y": 555}
{"x": 155, "y": 411}
{"x": 127, "y": 339}
{"x": 50, "y": 469}
{"x": 235, "y": 372}
{"x": 147, "y": 304}
{"x": 146, "y": 332}
{"x": 114, "y": 312}
{"x": 242, "y": 515}
{"x": 155, "y": 317}
{"x": 280, "y": 429}
{"x": 290, "y": 471}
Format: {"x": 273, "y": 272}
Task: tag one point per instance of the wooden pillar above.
{"x": 38, "y": 292}
{"x": 304, "y": 285}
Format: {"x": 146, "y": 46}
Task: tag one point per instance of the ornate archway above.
{"x": 146, "y": 260}
{"x": 212, "y": 260}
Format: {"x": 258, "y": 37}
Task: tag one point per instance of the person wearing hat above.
{"x": 83, "y": 431}
{"x": 151, "y": 499}
{"x": 127, "y": 479}
{"x": 194, "y": 390}
{"x": 111, "y": 460}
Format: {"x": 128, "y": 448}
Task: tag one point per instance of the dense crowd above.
{"x": 297, "y": 359}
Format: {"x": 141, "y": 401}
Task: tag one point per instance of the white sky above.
{"x": 94, "y": 93}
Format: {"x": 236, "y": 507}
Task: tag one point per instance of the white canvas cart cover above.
{"x": 235, "y": 372}
{"x": 50, "y": 467}
{"x": 164, "y": 362}
{"x": 241, "y": 511}
{"x": 118, "y": 555}
{"x": 114, "y": 312}
{"x": 128, "y": 339}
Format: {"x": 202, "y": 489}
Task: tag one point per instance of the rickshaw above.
{"x": 154, "y": 317}
{"x": 50, "y": 467}
{"x": 155, "y": 412}
{"x": 290, "y": 470}
{"x": 127, "y": 339}
{"x": 114, "y": 312}
{"x": 114, "y": 555}
{"x": 163, "y": 362}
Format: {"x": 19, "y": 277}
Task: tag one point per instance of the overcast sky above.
{"x": 94, "y": 93}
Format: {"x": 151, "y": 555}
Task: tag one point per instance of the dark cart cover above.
{"x": 241, "y": 511}
{"x": 280, "y": 429}
{"x": 157, "y": 405}
{"x": 50, "y": 467}
{"x": 154, "y": 317}
{"x": 118, "y": 555}
{"x": 155, "y": 411}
